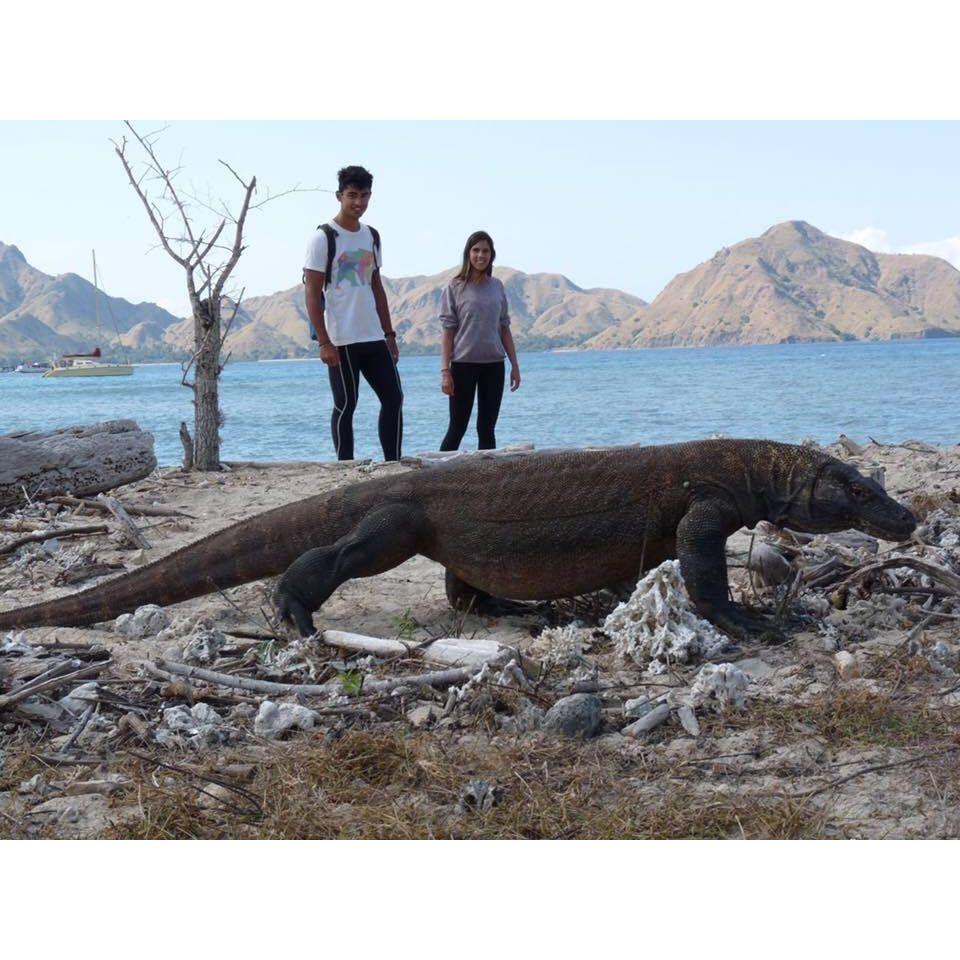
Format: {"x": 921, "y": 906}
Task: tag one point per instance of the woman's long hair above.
{"x": 473, "y": 239}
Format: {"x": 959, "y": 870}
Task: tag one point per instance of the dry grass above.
{"x": 924, "y": 502}
{"x": 847, "y": 718}
{"x": 388, "y": 785}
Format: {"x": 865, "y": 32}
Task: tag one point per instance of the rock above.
{"x": 85, "y": 815}
{"x": 720, "y": 687}
{"x": 578, "y": 715}
{"x": 847, "y": 665}
{"x": 35, "y": 784}
{"x": 203, "y": 645}
{"x": 634, "y": 709}
{"x": 688, "y": 720}
{"x": 148, "y": 621}
{"x": 201, "y": 725}
{"x": 79, "y": 698}
{"x": 273, "y": 720}
{"x": 478, "y": 796}
{"x": 648, "y": 722}
{"x": 423, "y": 715}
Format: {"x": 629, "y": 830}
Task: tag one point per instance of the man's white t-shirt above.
{"x": 350, "y": 312}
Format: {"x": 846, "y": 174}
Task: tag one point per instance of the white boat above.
{"x": 87, "y": 365}
{"x": 31, "y": 368}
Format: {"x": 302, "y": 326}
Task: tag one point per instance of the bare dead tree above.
{"x": 208, "y": 263}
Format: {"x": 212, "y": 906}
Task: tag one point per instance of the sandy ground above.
{"x": 814, "y": 754}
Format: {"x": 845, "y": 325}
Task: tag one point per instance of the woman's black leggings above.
{"x": 486, "y": 381}
{"x": 374, "y": 362}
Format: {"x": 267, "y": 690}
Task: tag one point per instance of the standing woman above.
{"x": 476, "y": 338}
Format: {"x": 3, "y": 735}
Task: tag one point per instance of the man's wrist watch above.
{"x": 390, "y": 334}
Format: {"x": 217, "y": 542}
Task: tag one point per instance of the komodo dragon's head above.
{"x": 840, "y": 498}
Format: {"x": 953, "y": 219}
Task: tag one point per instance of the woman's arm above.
{"x": 446, "y": 352}
{"x": 450, "y": 323}
{"x": 507, "y": 337}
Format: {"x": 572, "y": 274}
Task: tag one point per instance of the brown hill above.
{"x": 42, "y": 316}
{"x": 795, "y": 283}
{"x": 547, "y": 310}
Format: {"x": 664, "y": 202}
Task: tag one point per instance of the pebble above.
{"x": 574, "y": 716}
{"x": 848, "y": 668}
{"x": 688, "y": 720}
{"x": 423, "y": 715}
{"x": 648, "y": 722}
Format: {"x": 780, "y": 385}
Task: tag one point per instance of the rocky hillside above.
{"x": 792, "y": 284}
{"x": 547, "y": 310}
{"x": 42, "y": 316}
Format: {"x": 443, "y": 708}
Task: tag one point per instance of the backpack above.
{"x": 331, "y": 250}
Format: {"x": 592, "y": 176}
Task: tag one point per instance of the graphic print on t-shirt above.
{"x": 356, "y": 268}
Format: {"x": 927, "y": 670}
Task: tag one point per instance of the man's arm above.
{"x": 383, "y": 313}
{"x": 314, "y": 285}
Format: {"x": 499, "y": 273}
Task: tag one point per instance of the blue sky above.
{"x": 619, "y": 204}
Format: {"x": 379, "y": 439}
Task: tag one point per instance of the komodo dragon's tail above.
{"x": 259, "y": 547}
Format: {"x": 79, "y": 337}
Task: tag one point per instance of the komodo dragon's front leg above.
{"x": 701, "y": 548}
{"x": 381, "y": 541}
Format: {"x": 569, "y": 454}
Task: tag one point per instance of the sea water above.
{"x": 280, "y": 410}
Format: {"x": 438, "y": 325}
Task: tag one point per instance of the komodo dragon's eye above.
{"x": 859, "y": 492}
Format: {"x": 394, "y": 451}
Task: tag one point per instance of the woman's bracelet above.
{"x": 390, "y": 333}
{"x": 444, "y": 369}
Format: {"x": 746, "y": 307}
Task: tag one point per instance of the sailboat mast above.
{"x": 96, "y": 292}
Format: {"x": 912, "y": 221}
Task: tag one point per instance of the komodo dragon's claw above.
{"x": 743, "y": 624}
{"x": 295, "y": 613}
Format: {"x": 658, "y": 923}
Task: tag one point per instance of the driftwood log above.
{"x": 77, "y": 461}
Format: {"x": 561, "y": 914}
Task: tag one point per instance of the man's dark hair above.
{"x": 354, "y": 177}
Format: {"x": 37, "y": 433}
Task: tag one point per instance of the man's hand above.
{"x": 514, "y": 378}
{"x": 330, "y": 355}
{"x": 446, "y": 382}
{"x": 393, "y": 348}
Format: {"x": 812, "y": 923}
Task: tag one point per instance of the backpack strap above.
{"x": 376, "y": 238}
{"x": 331, "y": 250}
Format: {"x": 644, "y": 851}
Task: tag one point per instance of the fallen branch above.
{"x": 334, "y": 688}
{"x": 950, "y": 580}
{"x": 451, "y": 651}
{"x": 39, "y": 685}
{"x": 129, "y": 527}
{"x": 141, "y": 510}
{"x": 53, "y": 535}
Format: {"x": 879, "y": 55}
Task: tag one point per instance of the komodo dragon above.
{"x": 534, "y": 526}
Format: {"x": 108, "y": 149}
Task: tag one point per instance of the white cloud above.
{"x": 873, "y": 238}
{"x": 949, "y": 249}
{"x": 877, "y": 239}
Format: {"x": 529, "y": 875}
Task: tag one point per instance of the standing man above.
{"x": 348, "y": 310}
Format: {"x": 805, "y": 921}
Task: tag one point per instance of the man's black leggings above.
{"x": 486, "y": 381}
{"x": 374, "y": 362}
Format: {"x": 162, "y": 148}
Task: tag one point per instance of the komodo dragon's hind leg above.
{"x": 462, "y": 596}
{"x": 380, "y": 542}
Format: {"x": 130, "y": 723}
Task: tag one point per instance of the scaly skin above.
{"x": 535, "y": 526}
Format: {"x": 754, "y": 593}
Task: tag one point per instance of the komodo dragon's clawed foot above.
{"x": 294, "y": 611}
{"x": 467, "y": 599}
{"x": 744, "y": 624}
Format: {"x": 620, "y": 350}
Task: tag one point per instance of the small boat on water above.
{"x": 87, "y": 365}
{"x": 35, "y": 367}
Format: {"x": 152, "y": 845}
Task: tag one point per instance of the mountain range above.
{"x": 793, "y": 283}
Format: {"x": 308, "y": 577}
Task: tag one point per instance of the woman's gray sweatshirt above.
{"x": 476, "y": 311}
